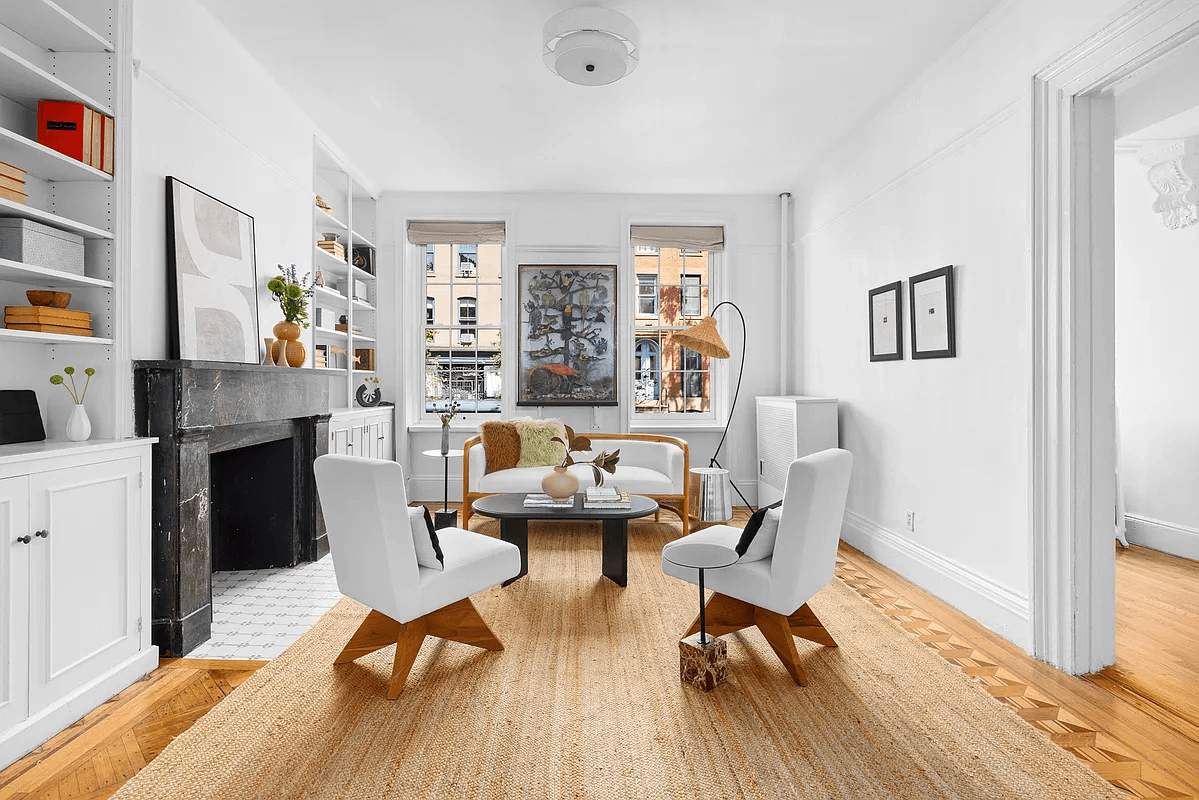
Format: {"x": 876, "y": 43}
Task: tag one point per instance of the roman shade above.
{"x": 456, "y": 232}
{"x": 690, "y": 237}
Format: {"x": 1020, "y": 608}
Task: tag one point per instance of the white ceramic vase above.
{"x": 79, "y": 427}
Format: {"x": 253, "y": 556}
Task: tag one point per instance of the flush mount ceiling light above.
{"x": 591, "y": 46}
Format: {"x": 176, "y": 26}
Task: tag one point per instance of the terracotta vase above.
{"x": 288, "y": 350}
{"x": 560, "y": 484}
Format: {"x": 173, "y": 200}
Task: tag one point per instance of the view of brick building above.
{"x": 671, "y": 293}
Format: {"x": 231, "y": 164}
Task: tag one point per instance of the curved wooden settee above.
{"x": 675, "y": 500}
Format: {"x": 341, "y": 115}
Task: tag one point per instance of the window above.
{"x": 672, "y": 293}
{"x": 646, "y": 375}
{"x": 468, "y": 260}
{"x": 691, "y": 295}
{"x": 463, "y": 317}
{"x": 647, "y": 295}
{"x": 430, "y": 259}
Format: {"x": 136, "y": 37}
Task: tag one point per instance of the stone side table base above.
{"x": 703, "y": 666}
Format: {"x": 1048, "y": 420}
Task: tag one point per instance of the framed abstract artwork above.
{"x": 886, "y": 322}
{"x": 567, "y": 336}
{"x": 212, "y": 278}
{"x": 931, "y": 297}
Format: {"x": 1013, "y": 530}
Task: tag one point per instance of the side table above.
{"x": 702, "y": 658}
{"x": 446, "y": 517}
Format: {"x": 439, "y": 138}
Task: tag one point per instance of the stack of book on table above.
{"x": 606, "y": 497}
{"x": 545, "y": 501}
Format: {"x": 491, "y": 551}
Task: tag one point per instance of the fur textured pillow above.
{"x": 536, "y": 449}
{"x": 501, "y": 443}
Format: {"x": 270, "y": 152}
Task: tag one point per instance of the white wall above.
{"x": 1157, "y": 377}
{"x": 582, "y": 229}
{"x": 940, "y": 177}
{"x": 207, "y": 113}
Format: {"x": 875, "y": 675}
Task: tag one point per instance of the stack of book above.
{"x": 606, "y": 497}
{"x": 77, "y": 131}
{"x": 320, "y": 356}
{"x": 333, "y": 247}
{"x": 12, "y": 183}
{"x": 341, "y": 326}
{"x": 545, "y": 501}
{"x": 44, "y": 319}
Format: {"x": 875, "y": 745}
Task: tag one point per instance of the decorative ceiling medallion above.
{"x": 1174, "y": 175}
{"x": 590, "y": 46}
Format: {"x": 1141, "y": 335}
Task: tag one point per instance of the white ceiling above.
{"x": 731, "y": 96}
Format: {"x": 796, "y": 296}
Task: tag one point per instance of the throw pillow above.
{"x": 752, "y": 529}
{"x": 424, "y": 537}
{"x": 536, "y": 449}
{"x": 501, "y": 444}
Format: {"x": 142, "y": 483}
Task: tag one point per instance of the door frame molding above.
{"x": 1072, "y": 434}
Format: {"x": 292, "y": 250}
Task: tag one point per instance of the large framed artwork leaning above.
{"x": 212, "y": 278}
{"x": 567, "y": 336}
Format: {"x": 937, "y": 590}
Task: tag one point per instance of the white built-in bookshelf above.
{"x": 67, "y": 50}
{"x": 349, "y": 290}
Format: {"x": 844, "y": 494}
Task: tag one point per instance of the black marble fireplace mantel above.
{"x": 201, "y": 409}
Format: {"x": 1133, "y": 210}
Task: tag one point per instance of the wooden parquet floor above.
{"x": 96, "y": 756}
{"x": 1145, "y": 754}
{"x": 1138, "y": 752}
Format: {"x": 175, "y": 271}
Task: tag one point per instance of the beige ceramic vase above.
{"x": 287, "y": 345}
{"x": 561, "y": 484}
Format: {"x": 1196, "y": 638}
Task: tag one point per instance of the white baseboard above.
{"x": 992, "y": 604}
{"x": 64, "y": 712}
{"x": 1177, "y": 540}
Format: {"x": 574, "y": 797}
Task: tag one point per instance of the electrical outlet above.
{"x": 911, "y": 521}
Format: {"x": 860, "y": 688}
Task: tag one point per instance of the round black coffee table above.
{"x": 514, "y": 518}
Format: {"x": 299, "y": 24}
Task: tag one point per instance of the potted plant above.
{"x": 79, "y": 427}
{"x": 562, "y": 483}
{"x": 292, "y": 294}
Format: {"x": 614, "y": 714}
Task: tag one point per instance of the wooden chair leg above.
{"x": 376, "y": 632}
{"x": 411, "y": 637}
{"x": 778, "y": 633}
{"x": 723, "y": 614}
{"x": 806, "y": 625}
{"x": 461, "y": 622}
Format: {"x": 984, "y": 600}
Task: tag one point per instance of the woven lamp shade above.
{"x": 703, "y": 338}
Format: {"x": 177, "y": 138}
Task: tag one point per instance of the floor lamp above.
{"x": 705, "y": 339}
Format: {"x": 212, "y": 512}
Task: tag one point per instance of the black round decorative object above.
{"x": 369, "y": 399}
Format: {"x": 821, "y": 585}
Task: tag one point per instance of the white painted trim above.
{"x": 1072, "y": 437}
{"x": 63, "y": 712}
{"x": 938, "y": 154}
{"x": 992, "y": 604}
{"x": 1177, "y": 540}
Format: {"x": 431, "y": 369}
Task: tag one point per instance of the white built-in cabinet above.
{"x": 75, "y": 578}
{"x": 368, "y": 433}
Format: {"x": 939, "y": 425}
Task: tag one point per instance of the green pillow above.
{"x": 536, "y": 447}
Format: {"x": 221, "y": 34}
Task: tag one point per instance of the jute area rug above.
{"x": 585, "y": 701}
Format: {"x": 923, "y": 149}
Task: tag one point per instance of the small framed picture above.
{"x": 931, "y": 297}
{"x": 886, "y": 322}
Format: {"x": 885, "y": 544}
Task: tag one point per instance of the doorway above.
{"x": 1073, "y": 436}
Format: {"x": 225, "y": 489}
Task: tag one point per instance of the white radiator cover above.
{"x": 790, "y": 427}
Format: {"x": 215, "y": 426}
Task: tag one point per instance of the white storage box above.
{"x": 40, "y": 245}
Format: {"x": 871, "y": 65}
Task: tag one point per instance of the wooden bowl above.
{"x": 42, "y": 297}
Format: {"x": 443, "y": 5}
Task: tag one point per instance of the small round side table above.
{"x": 702, "y": 658}
{"x": 445, "y": 518}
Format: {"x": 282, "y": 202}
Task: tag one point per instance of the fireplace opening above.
{"x": 253, "y": 507}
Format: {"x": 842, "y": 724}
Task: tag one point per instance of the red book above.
{"x": 65, "y": 127}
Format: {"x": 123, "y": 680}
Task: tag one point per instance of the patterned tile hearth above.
{"x": 257, "y": 614}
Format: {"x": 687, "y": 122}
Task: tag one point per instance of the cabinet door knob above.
{"x": 42, "y": 534}
{"x": 26, "y": 539}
